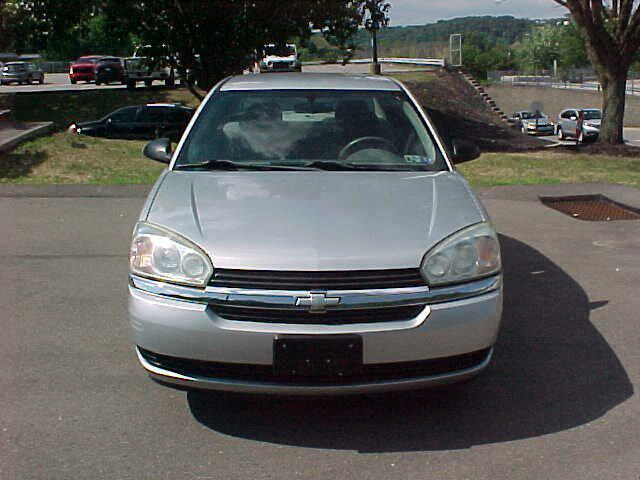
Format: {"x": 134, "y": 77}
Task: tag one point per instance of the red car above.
{"x": 84, "y": 68}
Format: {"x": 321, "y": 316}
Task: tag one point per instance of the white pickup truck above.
{"x": 278, "y": 58}
{"x": 143, "y": 67}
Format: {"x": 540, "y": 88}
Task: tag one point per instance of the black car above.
{"x": 143, "y": 122}
{"x": 110, "y": 69}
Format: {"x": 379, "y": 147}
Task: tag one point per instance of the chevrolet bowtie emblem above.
{"x": 317, "y": 302}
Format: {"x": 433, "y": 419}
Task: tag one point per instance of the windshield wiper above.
{"x": 234, "y": 166}
{"x": 341, "y": 166}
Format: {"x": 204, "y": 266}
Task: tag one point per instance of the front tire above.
{"x": 148, "y": 83}
{"x": 561, "y": 134}
{"x": 73, "y": 81}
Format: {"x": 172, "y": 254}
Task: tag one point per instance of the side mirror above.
{"x": 158, "y": 150}
{"x": 464, "y": 150}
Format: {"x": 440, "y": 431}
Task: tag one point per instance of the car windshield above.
{"x": 355, "y": 129}
{"x": 282, "y": 51}
{"x": 592, "y": 115}
{"x": 15, "y": 67}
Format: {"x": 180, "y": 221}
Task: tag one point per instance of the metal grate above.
{"x": 593, "y": 208}
{"x": 326, "y": 280}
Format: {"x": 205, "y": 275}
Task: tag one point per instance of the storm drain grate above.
{"x": 593, "y": 208}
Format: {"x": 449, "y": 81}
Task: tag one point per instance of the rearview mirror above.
{"x": 158, "y": 150}
{"x": 464, "y": 150}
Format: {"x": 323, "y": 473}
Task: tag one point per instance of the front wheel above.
{"x": 41, "y": 81}
{"x": 73, "y": 81}
{"x": 560, "y": 134}
{"x": 148, "y": 83}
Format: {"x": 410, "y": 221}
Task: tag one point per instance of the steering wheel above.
{"x": 365, "y": 142}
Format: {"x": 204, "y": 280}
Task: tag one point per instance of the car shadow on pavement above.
{"x": 552, "y": 370}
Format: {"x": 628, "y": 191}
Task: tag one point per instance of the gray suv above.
{"x": 310, "y": 235}
{"x": 568, "y": 119}
{"x": 21, "y": 72}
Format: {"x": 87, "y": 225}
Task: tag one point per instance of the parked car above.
{"x": 533, "y": 123}
{"x": 569, "y": 119}
{"x": 21, "y": 72}
{"x": 276, "y": 58}
{"x": 84, "y": 68}
{"x": 139, "y": 122}
{"x": 310, "y": 235}
{"x": 110, "y": 69}
{"x": 148, "y": 70}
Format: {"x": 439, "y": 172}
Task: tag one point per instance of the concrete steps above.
{"x": 491, "y": 103}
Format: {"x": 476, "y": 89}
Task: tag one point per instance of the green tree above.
{"x": 542, "y": 45}
{"x": 611, "y": 30}
{"x": 221, "y": 37}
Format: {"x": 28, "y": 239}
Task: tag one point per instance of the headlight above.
{"x": 163, "y": 255}
{"x": 471, "y": 253}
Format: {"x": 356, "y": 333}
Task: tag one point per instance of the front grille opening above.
{"x": 592, "y": 208}
{"x": 330, "y": 317}
{"x": 264, "y": 373}
{"x": 317, "y": 280}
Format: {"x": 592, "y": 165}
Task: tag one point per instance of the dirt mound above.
{"x": 459, "y": 112}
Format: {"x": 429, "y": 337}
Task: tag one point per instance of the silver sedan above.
{"x": 310, "y": 235}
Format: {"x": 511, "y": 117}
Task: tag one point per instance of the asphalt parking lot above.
{"x": 558, "y": 401}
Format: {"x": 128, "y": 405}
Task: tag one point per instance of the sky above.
{"x": 419, "y": 12}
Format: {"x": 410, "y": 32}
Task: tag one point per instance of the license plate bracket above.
{"x": 317, "y": 355}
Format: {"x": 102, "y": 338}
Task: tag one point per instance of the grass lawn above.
{"x": 542, "y": 167}
{"x": 66, "y": 158}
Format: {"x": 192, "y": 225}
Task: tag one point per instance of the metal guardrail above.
{"x": 430, "y": 62}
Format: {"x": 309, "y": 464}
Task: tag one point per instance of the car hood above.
{"x": 541, "y": 120}
{"x": 88, "y": 124}
{"x": 83, "y": 64}
{"x": 315, "y": 220}
{"x": 595, "y": 123}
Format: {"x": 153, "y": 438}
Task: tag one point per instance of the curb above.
{"x": 37, "y": 130}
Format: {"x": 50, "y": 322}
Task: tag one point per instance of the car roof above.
{"x": 309, "y": 81}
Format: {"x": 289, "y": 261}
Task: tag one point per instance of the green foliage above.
{"x": 538, "y": 48}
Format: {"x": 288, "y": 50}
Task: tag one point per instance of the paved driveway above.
{"x": 557, "y": 403}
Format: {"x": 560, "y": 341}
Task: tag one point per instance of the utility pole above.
{"x": 375, "y": 66}
{"x": 376, "y": 12}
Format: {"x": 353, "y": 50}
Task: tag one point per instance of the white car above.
{"x": 277, "y": 58}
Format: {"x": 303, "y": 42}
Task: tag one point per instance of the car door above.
{"x": 176, "y": 120}
{"x": 122, "y": 123}
{"x": 150, "y": 122}
{"x": 568, "y": 120}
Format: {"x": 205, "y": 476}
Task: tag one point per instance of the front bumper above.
{"x": 82, "y": 76}
{"x": 455, "y": 322}
{"x": 541, "y": 130}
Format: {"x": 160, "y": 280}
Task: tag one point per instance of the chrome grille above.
{"x": 324, "y": 280}
{"x": 304, "y": 317}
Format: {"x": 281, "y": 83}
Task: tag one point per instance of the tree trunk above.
{"x": 613, "y": 103}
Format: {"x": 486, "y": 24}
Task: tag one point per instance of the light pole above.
{"x": 377, "y": 18}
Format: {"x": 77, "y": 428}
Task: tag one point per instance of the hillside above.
{"x": 430, "y": 40}
{"x": 504, "y": 30}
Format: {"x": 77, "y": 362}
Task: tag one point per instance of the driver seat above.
{"x": 355, "y": 119}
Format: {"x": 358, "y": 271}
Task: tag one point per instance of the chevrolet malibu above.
{"x": 310, "y": 235}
